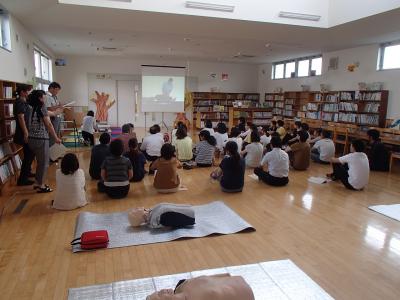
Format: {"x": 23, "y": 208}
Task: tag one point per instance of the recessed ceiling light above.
{"x": 267, "y": 45}
{"x": 209, "y": 6}
{"x": 298, "y": 16}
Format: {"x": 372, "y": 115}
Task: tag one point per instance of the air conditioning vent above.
{"x": 243, "y": 56}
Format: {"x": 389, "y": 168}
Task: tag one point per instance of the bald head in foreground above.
{"x": 215, "y": 287}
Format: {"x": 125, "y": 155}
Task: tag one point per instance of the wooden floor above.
{"x": 328, "y": 231}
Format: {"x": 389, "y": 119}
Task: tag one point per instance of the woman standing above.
{"x": 38, "y": 139}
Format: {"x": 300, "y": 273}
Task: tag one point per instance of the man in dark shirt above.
{"x": 21, "y": 112}
{"x": 378, "y": 155}
{"x": 99, "y": 153}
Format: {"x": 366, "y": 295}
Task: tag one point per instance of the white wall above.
{"x": 341, "y": 79}
{"x": 12, "y": 64}
{"x": 74, "y": 76}
{"x": 252, "y": 10}
{"x": 342, "y": 11}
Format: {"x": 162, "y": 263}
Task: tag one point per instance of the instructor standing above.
{"x": 54, "y": 109}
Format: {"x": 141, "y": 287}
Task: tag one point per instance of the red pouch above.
{"x": 92, "y": 240}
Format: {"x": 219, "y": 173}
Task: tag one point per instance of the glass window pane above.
{"x": 45, "y": 87}
{"x": 391, "y": 57}
{"x": 50, "y": 70}
{"x": 37, "y": 64}
{"x": 279, "y": 71}
{"x": 45, "y": 68}
{"x": 303, "y": 68}
{"x": 290, "y": 67}
{"x": 316, "y": 65}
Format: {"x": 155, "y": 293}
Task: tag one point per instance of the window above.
{"x": 43, "y": 69}
{"x": 290, "y": 68}
{"x": 389, "y": 56}
{"x": 5, "y": 40}
{"x": 301, "y": 67}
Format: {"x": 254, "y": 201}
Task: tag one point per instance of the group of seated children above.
{"x": 117, "y": 163}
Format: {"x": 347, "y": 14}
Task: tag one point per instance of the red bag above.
{"x": 92, "y": 240}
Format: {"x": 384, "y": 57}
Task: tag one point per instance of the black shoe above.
{"x": 25, "y": 182}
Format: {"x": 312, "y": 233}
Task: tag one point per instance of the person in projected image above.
{"x": 167, "y": 88}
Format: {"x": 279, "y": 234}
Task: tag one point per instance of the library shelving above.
{"x": 215, "y": 106}
{"x": 363, "y": 108}
{"x": 10, "y": 161}
{"x": 257, "y": 115}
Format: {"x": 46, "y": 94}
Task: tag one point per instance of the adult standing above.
{"x": 21, "y": 111}
{"x": 54, "y": 109}
{"x": 38, "y": 138}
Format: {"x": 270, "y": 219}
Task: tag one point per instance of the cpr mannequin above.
{"x": 163, "y": 214}
{"x": 215, "y": 287}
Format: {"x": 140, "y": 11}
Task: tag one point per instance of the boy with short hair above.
{"x": 126, "y": 135}
{"x": 352, "y": 169}
{"x": 277, "y": 161}
{"x": 324, "y": 149}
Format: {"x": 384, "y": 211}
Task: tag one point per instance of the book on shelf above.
{"x": 288, "y": 113}
{"x": 368, "y": 96}
{"x": 7, "y": 92}
{"x": 262, "y": 114}
{"x": 268, "y": 104}
{"x": 348, "y": 106}
{"x": 331, "y": 107}
{"x": 289, "y": 101}
{"x": 204, "y": 109}
{"x": 315, "y": 115}
{"x": 348, "y": 117}
{"x": 260, "y": 122}
{"x": 301, "y": 114}
{"x": 278, "y": 97}
{"x": 279, "y": 104}
{"x": 372, "y": 107}
{"x": 347, "y": 96}
{"x": 289, "y": 107}
{"x": 8, "y": 110}
{"x": 332, "y": 97}
{"x": 237, "y": 114}
{"x": 311, "y": 106}
{"x": 277, "y": 111}
{"x": 318, "y": 97}
{"x": 368, "y": 119}
{"x": 10, "y": 127}
{"x": 18, "y": 161}
{"x": 269, "y": 98}
{"x": 252, "y": 97}
{"x": 219, "y": 108}
{"x": 330, "y": 117}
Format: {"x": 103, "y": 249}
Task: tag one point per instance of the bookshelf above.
{"x": 215, "y": 106}
{"x": 10, "y": 160}
{"x": 257, "y": 115}
{"x": 362, "y": 108}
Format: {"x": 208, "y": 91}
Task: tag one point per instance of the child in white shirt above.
{"x": 324, "y": 149}
{"x": 253, "y": 151}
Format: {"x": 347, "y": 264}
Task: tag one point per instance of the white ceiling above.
{"x": 82, "y": 30}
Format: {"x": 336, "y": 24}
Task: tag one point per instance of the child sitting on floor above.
{"x": 324, "y": 149}
{"x": 167, "y": 179}
{"x": 209, "y": 127}
{"x": 152, "y": 143}
{"x": 116, "y": 172}
{"x": 277, "y": 162}
{"x": 70, "y": 192}
{"x": 231, "y": 170}
{"x": 235, "y": 137}
{"x": 163, "y": 214}
{"x": 138, "y": 160}
{"x": 265, "y": 137}
{"x": 99, "y": 154}
{"x": 253, "y": 152}
{"x": 205, "y": 149}
{"x": 352, "y": 169}
{"x": 221, "y": 136}
{"x": 299, "y": 152}
{"x": 379, "y": 156}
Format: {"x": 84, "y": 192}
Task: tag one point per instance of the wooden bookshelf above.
{"x": 215, "y": 106}
{"x": 10, "y": 160}
{"x": 257, "y": 115}
{"x": 362, "y": 108}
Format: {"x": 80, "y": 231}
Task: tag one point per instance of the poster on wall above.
{"x": 102, "y": 99}
{"x": 224, "y": 76}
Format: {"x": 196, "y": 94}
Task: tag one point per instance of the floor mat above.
{"x": 391, "y": 211}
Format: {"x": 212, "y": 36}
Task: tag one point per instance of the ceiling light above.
{"x": 291, "y": 15}
{"x": 209, "y": 6}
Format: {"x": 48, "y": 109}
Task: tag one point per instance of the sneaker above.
{"x": 25, "y": 182}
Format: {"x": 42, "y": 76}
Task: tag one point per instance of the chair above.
{"x": 341, "y": 137}
{"x": 393, "y": 156}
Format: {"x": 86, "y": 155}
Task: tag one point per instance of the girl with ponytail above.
{"x": 231, "y": 170}
{"x": 205, "y": 149}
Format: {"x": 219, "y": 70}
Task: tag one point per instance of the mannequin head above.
{"x": 137, "y": 216}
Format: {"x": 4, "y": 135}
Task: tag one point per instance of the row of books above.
{"x": 288, "y": 113}
{"x": 262, "y": 114}
{"x": 331, "y": 107}
{"x": 347, "y": 117}
{"x": 289, "y": 107}
{"x": 313, "y": 115}
{"x": 279, "y": 104}
{"x": 332, "y": 97}
{"x": 348, "y": 106}
{"x": 7, "y": 169}
{"x": 268, "y": 104}
{"x": 215, "y": 116}
{"x": 330, "y": 117}
{"x": 347, "y": 96}
{"x": 7, "y": 92}
{"x": 368, "y": 119}
{"x": 277, "y": 111}
{"x": 260, "y": 122}
{"x": 238, "y": 114}
{"x": 273, "y": 97}
{"x": 8, "y": 110}
{"x": 372, "y": 107}
{"x": 370, "y": 96}
{"x": 289, "y": 101}
{"x": 311, "y": 106}
{"x": 214, "y": 123}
